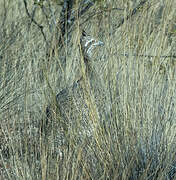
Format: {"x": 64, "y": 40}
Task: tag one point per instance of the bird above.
{"x": 72, "y": 103}
{"x": 88, "y": 45}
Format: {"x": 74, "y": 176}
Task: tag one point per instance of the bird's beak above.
{"x": 99, "y": 43}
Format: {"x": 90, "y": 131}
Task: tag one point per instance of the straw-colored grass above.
{"x": 133, "y": 138}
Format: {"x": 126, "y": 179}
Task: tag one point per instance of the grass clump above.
{"x": 133, "y": 137}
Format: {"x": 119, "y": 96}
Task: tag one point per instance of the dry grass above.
{"x": 135, "y": 138}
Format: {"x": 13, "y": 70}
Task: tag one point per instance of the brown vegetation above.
{"x": 132, "y": 127}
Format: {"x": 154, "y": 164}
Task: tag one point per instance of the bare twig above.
{"x": 131, "y": 14}
{"x": 100, "y": 12}
{"x": 65, "y": 18}
{"x": 5, "y": 14}
{"x": 34, "y": 21}
{"x": 148, "y": 56}
{"x": 68, "y": 16}
{"x": 32, "y": 15}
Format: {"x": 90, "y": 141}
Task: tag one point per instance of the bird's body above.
{"x": 73, "y": 104}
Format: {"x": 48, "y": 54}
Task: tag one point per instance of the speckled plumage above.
{"x": 72, "y": 103}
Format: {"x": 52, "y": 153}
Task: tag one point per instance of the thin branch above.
{"x": 148, "y": 56}
{"x": 5, "y": 14}
{"x": 65, "y": 18}
{"x": 68, "y": 16}
{"x": 34, "y": 21}
{"x": 130, "y": 15}
{"x": 100, "y": 12}
{"x": 32, "y": 15}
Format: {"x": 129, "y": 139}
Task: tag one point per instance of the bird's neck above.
{"x": 90, "y": 73}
